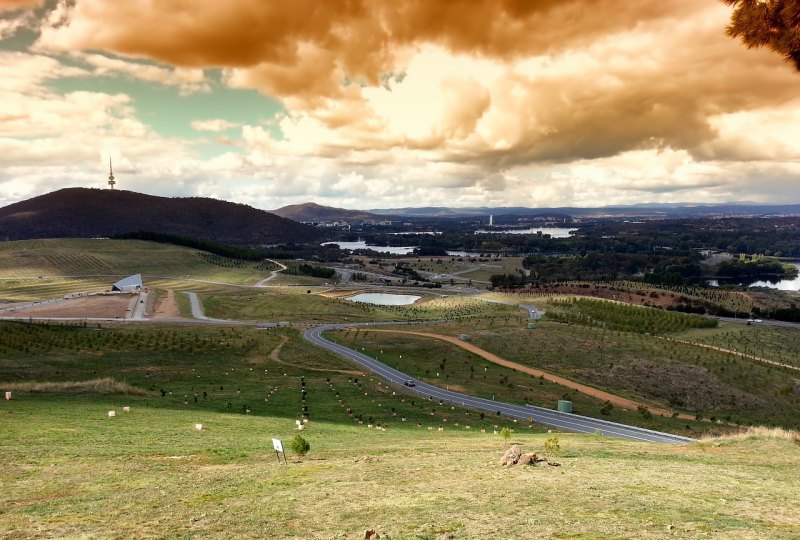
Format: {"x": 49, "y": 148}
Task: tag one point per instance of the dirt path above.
{"x": 167, "y": 307}
{"x": 618, "y": 401}
{"x": 272, "y": 275}
{"x": 735, "y": 353}
{"x": 275, "y": 356}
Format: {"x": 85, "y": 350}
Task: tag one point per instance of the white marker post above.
{"x": 278, "y": 446}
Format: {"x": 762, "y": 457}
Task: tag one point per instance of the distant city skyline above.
{"x": 390, "y": 104}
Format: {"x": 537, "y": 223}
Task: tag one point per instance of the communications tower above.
{"x": 111, "y": 181}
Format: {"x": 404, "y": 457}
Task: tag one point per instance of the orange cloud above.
{"x": 490, "y": 84}
{"x": 13, "y": 5}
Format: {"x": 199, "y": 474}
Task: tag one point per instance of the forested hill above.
{"x": 314, "y": 212}
{"x": 86, "y": 213}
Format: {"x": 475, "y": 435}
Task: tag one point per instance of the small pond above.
{"x": 384, "y": 299}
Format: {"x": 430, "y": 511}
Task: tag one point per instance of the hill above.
{"x": 87, "y": 213}
{"x": 315, "y": 212}
{"x": 155, "y": 475}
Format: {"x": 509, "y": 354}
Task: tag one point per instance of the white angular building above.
{"x": 129, "y": 284}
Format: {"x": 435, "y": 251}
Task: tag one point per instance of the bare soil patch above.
{"x": 167, "y": 307}
{"x": 114, "y": 306}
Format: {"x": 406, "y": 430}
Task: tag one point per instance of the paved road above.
{"x": 570, "y": 422}
{"x": 139, "y": 307}
{"x": 198, "y": 313}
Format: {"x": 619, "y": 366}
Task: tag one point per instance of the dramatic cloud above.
{"x": 540, "y": 102}
{"x": 13, "y": 5}
{"x": 188, "y": 80}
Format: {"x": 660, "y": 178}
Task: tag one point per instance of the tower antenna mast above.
{"x": 111, "y": 181}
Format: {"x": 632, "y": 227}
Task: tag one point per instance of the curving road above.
{"x": 567, "y": 421}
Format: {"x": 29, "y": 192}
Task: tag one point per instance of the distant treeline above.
{"x": 216, "y": 248}
{"x": 310, "y": 270}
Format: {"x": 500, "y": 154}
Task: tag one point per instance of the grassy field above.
{"x": 448, "y": 366}
{"x": 68, "y": 470}
{"x": 109, "y": 258}
{"x": 690, "y": 379}
{"x": 298, "y": 304}
{"x": 773, "y": 343}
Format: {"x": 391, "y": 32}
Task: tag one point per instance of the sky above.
{"x": 395, "y": 103}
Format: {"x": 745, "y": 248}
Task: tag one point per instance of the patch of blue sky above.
{"x": 170, "y": 113}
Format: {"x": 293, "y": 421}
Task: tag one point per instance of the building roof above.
{"x": 128, "y": 283}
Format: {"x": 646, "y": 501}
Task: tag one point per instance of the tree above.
{"x": 300, "y": 446}
{"x": 768, "y": 23}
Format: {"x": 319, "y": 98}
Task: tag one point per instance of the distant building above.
{"x": 129, "y": 284}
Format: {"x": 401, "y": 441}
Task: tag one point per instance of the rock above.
{"x": 512, "y": 455}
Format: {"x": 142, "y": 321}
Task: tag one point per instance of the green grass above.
{"x": 27, "y": 265}
{"x": 212, "y": 369}
{"x": 298, "y": 304}
{"x": 623, "y": 317}
{"x": 769, "y": 342}
{"x": 67, "y": 470}
{"x": 449, "y": 366}
{"x": 672, "y": 375}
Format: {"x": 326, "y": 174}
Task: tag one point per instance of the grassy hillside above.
{"x": 673, "y": 375}
{"x": 36, "y": 269}
{"x": 68, "y": 470}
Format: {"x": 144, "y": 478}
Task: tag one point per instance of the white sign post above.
{"x": 278, "y": 446}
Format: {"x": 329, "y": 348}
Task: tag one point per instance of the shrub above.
{"x": 505, "y": 433}
{"x": 606, "y": 409}
{"x": 300, "y": 446}
{"x": 644, "y": 411}
{"x": 552, "y": 446}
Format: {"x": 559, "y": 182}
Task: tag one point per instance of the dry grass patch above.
{"x": 107, "y": 385}
{"x": 758, "y": 432}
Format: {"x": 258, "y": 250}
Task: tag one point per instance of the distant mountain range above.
{"x": 641, "y": 210}
{"x": 86, "y": 213}
{"x": 310, "y": 211}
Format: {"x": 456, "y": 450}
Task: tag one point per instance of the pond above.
{"x": 792, "y": 284}
{"x": 385, "y": 299}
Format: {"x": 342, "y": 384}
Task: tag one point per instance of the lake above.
{"x": 778, "y": 284}
{"x": 393, "y": 250}
{"x": 384, "y": 299}
{"x": 554, "y": 232}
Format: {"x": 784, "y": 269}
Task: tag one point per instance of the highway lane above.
{"x": 570, "y": 422}
{"x": 198, "y": 313}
